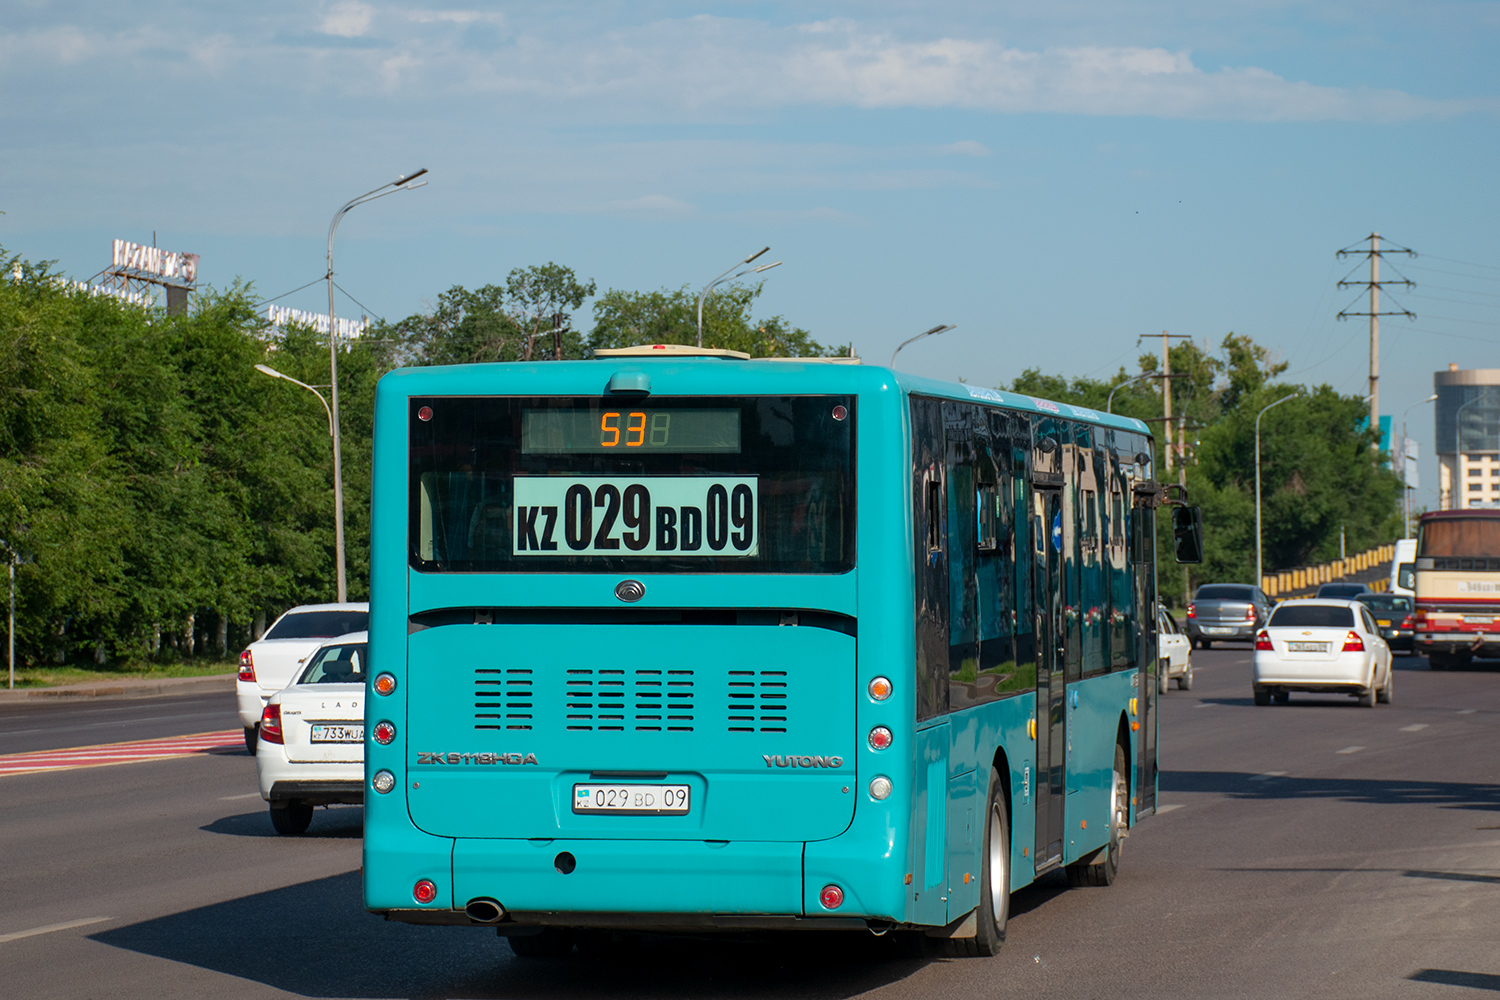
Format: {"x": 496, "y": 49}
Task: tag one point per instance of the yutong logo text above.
{"x": 476, "y": 758}
{"x": 802, "y": 761}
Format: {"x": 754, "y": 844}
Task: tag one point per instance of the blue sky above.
{"x": 1056, "y": 179}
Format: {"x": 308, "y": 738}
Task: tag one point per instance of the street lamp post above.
{"x": 940, "y": 328}
{"x": 1258, "y": 550}
{"x": 268, "y": 370}
{"x": 399, "y": 184}
{"x": 726, "y": 276}
{"x": 1405, "y": 486}
{"x": 1457, "y": 451}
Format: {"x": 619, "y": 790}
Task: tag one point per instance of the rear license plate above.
{"x": 323, "y": 732}
{"x": 1478, "y": 619}
{"x": 1216, "y": 631}
{"x": 1383, "y": 622}
{"x": 1307, "y": 647}
{"x": 639, "y": 800}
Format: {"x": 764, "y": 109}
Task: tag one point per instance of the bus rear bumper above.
{"x": 573, "y": 878}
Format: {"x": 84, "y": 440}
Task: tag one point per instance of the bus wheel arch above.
{"x": 1102, "y": 866}
{"x": 992, "y": 914}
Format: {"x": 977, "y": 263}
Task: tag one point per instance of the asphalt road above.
{"x": 37, "y": 724}
{"x": 1316, "y": 849}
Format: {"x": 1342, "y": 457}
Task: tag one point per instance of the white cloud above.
{"x": 348, "y": 19}
{"x": 966, "y": 147}
{"x": 655, "y": 204}
{"x": 455, "y": 17}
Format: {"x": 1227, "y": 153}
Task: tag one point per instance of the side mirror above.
{"x": 1187, "y": 533}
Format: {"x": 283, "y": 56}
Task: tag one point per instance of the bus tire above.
{"x": 1102, "y": 866}
{"x": 291, "y": 818}
{"x": 993, "y": 912}
{"x": 552, "y": 942}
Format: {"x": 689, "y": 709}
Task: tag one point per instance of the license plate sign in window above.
{"x": 635, "y": 516}
{"x": 324, "y": 732}
{"x": 638, "y": 800}
{"x": 1307, "y": 647}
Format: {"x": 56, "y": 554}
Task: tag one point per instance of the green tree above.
{"x": 632, "y": 319}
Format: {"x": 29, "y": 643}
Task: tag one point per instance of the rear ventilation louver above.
{"x": 642, "y": 701}
{"x": 503, "y": 699}
{"x": 757, "y": 701}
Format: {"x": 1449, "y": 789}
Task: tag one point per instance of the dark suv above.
{"x": 1394, "y": 615}
{"x": 1226, "y": 611}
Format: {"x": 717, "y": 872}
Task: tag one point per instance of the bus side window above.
{"x": 934, "y": 515}
{"x": 987, "y": 504}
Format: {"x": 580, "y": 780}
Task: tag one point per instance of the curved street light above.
{"x": 268, "y": 370}
{"x": 1457, "y": 451}
{"x": 941, "y": 328}
{"x": 403, "y": 183}
{"x": 726, "y": 276}
{"x": 1262, "y": 413}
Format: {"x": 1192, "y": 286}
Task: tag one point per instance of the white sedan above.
{"x": 1173, "y": 653}
{"x": 269, "y": 663}
{"x": 1325, "y": 646}
{"x": 311, "y": 750}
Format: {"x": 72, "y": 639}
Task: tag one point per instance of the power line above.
{"x": 283, "y": 295}
{"x": 367, "y": 309}
{"x": 1374, "y": 255}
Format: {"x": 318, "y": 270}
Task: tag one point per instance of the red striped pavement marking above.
{"x": 119, "y": 753}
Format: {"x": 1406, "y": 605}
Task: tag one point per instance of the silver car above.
{"x": 1227, "y": 611}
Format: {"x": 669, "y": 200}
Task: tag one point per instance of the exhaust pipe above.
{"x": 484, "y": 911}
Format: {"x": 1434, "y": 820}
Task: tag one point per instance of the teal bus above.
{"x": 675, "y": 640}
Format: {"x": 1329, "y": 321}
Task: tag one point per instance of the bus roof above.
{"x": 1463, "y": 512}
{"x": 468, "y": 380}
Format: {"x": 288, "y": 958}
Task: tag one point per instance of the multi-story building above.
{"x": 1468, "y": 437}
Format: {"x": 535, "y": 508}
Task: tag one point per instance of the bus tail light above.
{"x": 385, "y": 683}
{"x": 1353, "y": 643}
{"x": 880, "y": 738}
{"x": 424, "y": 891}
{"x": 881, "y": 688}
{"x": 270, "y": 724}
{"x": 880, "y": 788}
{"x": 247, "y": 666}
{"x": 1263, "y": 641}
{"x": 384, "y": 732}
{"x": 383, "y": 781}
{"x": 832, "y": 897}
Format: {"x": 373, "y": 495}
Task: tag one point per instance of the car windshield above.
{"x": 1311, "y": 616}
{"x": 1385, "y": 602}
{"x": 1222, "y": 592}
{"x": 318, "y": 624}
{"x": 336, "y": 665}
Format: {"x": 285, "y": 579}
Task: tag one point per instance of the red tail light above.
{"x": 1263, "y": 641}
{"x": 270, "y": 724}
{"x": 1250, "y": 613}
{"x": 247, "y": 666}
{"x": 1192, "y": 611}
{"x": 1406, "y": 622}
{"x": 1353, "y": 643}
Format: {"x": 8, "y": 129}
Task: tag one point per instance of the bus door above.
{"x": 1051, "y": 761}
{"x": 1143, "y": 581}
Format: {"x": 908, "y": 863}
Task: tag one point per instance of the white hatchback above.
{"x": 270, "y": 662}
{"x": 1326, "y": 646}
{"x": 311, "y": 750}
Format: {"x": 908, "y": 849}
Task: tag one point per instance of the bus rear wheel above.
{"x": 1101, "y": 867}
{"x": 993, "y": 912}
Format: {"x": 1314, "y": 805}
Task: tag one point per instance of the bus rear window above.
{"x": 1460, "y": 536}
{"x": 760, "y": 484}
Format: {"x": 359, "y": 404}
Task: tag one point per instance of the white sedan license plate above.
{"x": 323, "y": 732}
{"x": 1216, "y": 631}
{"x": 1307, "y": 647}
{"x": 640, "y": 800}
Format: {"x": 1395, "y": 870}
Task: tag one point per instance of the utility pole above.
{"x": 1374, "y": 285}
{"x": 1166, "y": 395}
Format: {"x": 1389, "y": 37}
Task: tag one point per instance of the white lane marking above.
{"x": 1204, "y": 704}
{"x": 236, "y": 798}
{"x": 1167, "y": 809}
{"x": 1415, "y": 727}
{"x": 68, "y": 925}
{"x": 1268, "y": 775}
{"x": 1349, "y": 750}
{"x": 1467, "y": 711}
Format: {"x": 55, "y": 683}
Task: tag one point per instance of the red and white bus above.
{"x": 1458, "y": 586}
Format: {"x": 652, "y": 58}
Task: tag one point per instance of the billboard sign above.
{"x": 281, "y": 316}
{"x": 154, "y": 264}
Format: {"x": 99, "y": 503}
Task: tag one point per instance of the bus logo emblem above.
{"x": 802, "y": 761}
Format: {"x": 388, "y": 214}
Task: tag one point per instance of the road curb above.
{"x": 131, "y": 687}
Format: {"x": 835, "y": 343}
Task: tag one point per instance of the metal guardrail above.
{"x": 1371, "y": 568}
